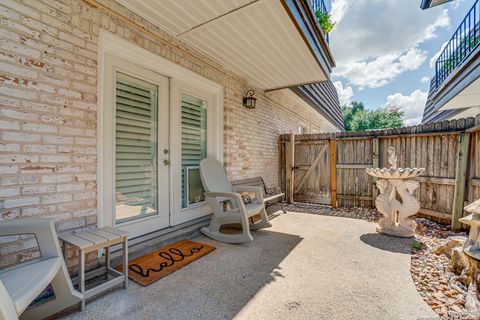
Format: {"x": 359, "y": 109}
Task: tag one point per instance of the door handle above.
{"x": 166, "y": 162}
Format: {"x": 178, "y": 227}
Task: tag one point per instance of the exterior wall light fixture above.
{"x": 249, "y": 101}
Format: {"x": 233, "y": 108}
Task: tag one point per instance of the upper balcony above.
{"x": 463, "y": 42}
{"x": 455, "y": 87}
{"x": 272, "y": 44}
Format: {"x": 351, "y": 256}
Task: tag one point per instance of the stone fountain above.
{"x": 396, "y": 200}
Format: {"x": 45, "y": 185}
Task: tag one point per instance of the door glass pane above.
{"x": 136, "y": 107}
{"x": 194, "y": 147}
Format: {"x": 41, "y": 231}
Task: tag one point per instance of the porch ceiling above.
{"x": 256, "y": 39}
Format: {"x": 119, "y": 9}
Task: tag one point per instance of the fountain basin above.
{"x": 398, "y": 173}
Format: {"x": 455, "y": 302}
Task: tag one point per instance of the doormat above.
{"x": 152, "y": 266}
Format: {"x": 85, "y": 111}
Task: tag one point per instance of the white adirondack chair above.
{"x": 21, "y": 284}
{"x": 218, "y": 190}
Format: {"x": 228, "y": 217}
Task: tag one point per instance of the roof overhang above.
{"x": 427, "y": 4}
{"x": 323, "y": 97}
{"x": 466, "y": 113}
{"x": 271, "y": 44}
{"x": 467, "y": 98}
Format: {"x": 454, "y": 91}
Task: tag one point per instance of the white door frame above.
{"x": 161, "y": 219}
{"x": 110, "y": 44}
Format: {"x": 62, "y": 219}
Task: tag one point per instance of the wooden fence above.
{"x": 329, "y": 168}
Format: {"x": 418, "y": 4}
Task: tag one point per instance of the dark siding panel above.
{"x": 323, "y": 97}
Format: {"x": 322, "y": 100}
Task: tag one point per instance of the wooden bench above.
{"x": 271, "y": 196}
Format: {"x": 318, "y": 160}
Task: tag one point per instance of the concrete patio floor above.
{"x": 307, "y": 266}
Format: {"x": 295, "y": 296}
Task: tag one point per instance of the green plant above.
{"x": 324, "y": 20}
{"x": 416, "y": 246}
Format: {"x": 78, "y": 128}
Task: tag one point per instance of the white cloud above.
{"x": 411, "y": 105}
{"x": 382, "y": 70}
{"x": 344, "y": 94}
{"x": 371, "y": 34}
{"x": 372, "y": 28}
{"x": 457, "y": 3}
{"x": 425, "y": 80}
{"x": 339, "y": 7}
{"x": 442, "y": 21}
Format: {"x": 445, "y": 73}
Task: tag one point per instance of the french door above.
{"x": 157, "y": 121}
{"x": 136, "y": 148}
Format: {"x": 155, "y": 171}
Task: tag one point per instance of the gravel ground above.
{"x": 431, "y": 272}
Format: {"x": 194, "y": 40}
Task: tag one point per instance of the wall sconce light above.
{"x": 249, "y": 101}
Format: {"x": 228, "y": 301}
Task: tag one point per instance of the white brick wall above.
{"x": 48, "y": 105}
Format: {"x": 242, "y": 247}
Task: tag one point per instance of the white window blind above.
{"x": 135, "y": 147}
{"x": 194, "y": 147}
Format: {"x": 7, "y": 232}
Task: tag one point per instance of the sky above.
{"x": 385, "y": 50}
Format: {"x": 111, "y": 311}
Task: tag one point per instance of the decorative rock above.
{"x": 438, "y": 295}
{"x": 456, "y": 309}
{"x": 437, "y": 279}
{"x": 477, "y": 283}
{"x": 453, "y": 241}
{"x": 471, "y": 302}
{"x": 459, "y": 261}
{"x": 473, "y": 269}
{"x": 455, "y": 287}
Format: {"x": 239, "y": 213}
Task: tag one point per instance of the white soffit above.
{"x": 468, "y": 97}
{"x": 256, "y": 39}
{"x": 470, "y": 112}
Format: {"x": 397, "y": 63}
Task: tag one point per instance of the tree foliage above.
{"x": 357, "y": 118}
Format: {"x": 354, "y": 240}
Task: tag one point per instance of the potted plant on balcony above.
{"x": 323, "y": 19}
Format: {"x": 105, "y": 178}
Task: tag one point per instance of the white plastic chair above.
{"x": 21, "y": 284}
{"x": 219, "y": 190}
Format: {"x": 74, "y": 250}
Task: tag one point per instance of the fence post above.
{"x": 333, "y": 172}
{"x": 375, "y": 164}
{"x": 460, "y": 180}
{"x": 289, "y": 167}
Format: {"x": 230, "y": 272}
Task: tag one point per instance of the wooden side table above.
{"x": 93, "y": 240}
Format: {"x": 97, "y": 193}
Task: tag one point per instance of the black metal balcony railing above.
{"x": 463, "y": 42}
{"x": 319, "y": 5}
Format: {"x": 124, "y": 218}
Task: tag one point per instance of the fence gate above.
{"x": 312, "y": 172}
